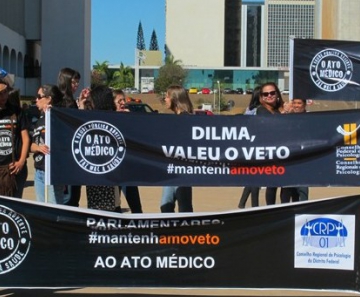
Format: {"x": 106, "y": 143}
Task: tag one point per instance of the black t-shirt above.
{"x": 262, "y": 110}
{"x": 20, "y": 123}
{"x": 39, "y": 138}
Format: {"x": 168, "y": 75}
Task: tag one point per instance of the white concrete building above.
{"x": 39, "y": 37}
{"x": 200, "y": 33}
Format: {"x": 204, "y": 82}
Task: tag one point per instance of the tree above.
{"x": 153, "y": 42}
{"x": 170, "y": 60}
{"x": 100, "y": 73}
{"x": 122, "y": 78}
{"x": 169, "y": 74}
{"x": 140, "y": 45}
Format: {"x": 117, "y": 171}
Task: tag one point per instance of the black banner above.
{"x": 109, "y": 148}
{"x": 325, "y": 69}
{"x": 310, "y": 245}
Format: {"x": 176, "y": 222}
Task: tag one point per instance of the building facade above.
{"x": 39, "y": 37}
{"x": 204, "y": 33}
{"x": 337, "y": 19}
{"x": 286, "y": 19}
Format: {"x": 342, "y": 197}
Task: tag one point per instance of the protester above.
{"x": 254, "y": 191}
{"x": 99, "y": 197}
{"x": 295, "y": 193}
{"x": 15, "y": 145}
{"x": 177, "y": 100}
{"x": 271, "y": 102}
{"x": 68, "y": 83}
{"x": 47, "y": 96}
{"x": 131, "y": 193}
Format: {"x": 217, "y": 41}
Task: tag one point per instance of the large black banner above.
{"x": 109, "y": 148}
{"x": 310, "y": 245}
{"x": 325, "y": 69}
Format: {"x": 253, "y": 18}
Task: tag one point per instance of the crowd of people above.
{"x": 16, "y": 144}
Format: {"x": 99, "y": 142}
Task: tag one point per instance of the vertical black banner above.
{"x": 326, "y": 69}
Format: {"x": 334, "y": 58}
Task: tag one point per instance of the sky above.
{"x": 114, "y": 27}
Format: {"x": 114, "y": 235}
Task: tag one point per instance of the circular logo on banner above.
{"x": 331, "y": 70}
{"x": 15, "y": 239}
{"x": 98, "y": 147}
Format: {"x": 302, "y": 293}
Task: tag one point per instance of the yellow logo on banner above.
{"x": 349, "y": 132}
{"x": 350, "y": 137}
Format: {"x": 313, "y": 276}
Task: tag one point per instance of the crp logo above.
{"x": 331, "y": 70}
{"x": 324, "y": 233}
{"x": 15, "y": 239}
{"x": 98, "y": 147}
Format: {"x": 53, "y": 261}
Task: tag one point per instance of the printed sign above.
{"x": 325, "y": 241}
{"x": 325, "y": 69}
{"x": 285, "y": 246}
{"x": 310, "y": 149}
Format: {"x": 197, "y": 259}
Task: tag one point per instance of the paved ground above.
{"x": 205, "y": 199}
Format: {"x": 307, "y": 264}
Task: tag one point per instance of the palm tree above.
{"x": 170, "y": 60}
{"x": 122, "y": 78}
{"x": 100, "y": 73}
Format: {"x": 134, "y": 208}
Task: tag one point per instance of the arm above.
{"x": 39, "y": 148}
{"x": 19, "y": 164}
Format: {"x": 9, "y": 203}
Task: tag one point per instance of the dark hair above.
{"x": 14, "y": 97}
{"x": 54, "y": 92}
{"x": 66, "y": 75}
{"x": 303, "y": 100}
{"x": 255, "y": 98}
{"x": 101, "y": 98}
{"x": 279, "y": 101}
{"x": 180, "y": 100}
{"x": 118, "y": 92}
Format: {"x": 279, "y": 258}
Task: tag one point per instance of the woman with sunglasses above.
{"x": 47, "y": 96}
{"x": 271, "y": 102}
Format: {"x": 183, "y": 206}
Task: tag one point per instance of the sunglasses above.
{"x": 266, "y": 94}
{"x": 38, "y": 96}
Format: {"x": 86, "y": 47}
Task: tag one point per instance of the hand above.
{"x": 16, "y": 167}
{"x": 84, "y": 95}
{"x": 43, "y": 148}
{"x": 287, "y": 108}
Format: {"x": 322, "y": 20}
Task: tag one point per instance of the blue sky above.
{"x": 114, "y": 26}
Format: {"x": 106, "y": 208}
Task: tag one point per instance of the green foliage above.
{"x": 140, "y": 44}
{"x": 100, "y": 73}
{"x": 169, "y": 74}
{"x": 223, "y": 104}
{"x": 170, "y": 60}
{"x": 154, "y": 46}
{"x": 122, "y": 78}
